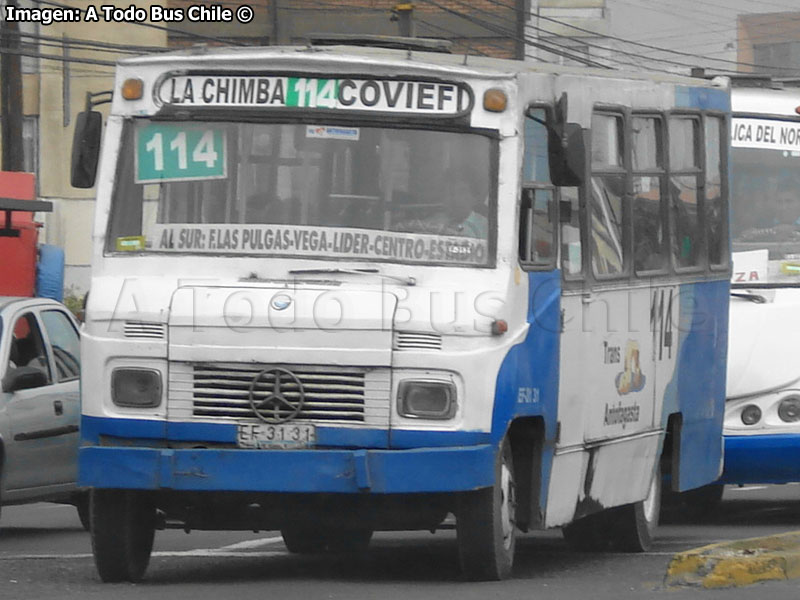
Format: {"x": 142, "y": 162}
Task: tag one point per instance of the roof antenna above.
{"x": 466, "y": 52}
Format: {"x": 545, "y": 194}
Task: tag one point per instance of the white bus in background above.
{"x": 339, "y": 289}
{"x": 762, "y": 417}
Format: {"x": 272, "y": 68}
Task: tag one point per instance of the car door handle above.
{"x": 58, "y": 406}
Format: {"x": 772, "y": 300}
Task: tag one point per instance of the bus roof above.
{"x": 766, "y": 101}
{"x": 366, "y": 59}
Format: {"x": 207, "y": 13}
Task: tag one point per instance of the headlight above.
{"x": 751, "y": 414}
{"x": 136, "y": 388}
{"x": 789, "y": 409}
{"x": 427, "y": 399}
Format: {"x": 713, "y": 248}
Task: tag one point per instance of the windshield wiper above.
{"x": 757, "y": 298}
{"x": 336, "y": 271}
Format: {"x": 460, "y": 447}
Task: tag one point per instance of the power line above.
{"x": 589, "y": 44}
{"x": 71, "y": 41}
{"x": 70, "y": 59}
{"x": 505, "y": 33}
{"x": 638, "y": 44}
{"x": 172, "y": 30}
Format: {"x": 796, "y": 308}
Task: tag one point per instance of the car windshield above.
{"x": 323, "y": 191}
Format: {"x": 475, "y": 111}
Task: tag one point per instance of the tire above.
{"x": 122, "y": 529}
{"x": 312, "y": 539}
{"x": 632, "y": 527}
{"x": 82, "y": 506}
{"x": 486, "y": 526}
{"x": 702, "y": 501}
{"x": 586, "y": 534}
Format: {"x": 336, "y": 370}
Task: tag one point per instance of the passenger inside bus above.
{"x": 463, "y": 211}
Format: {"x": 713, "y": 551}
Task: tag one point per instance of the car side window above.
{"x": 65, "y": 343}
{"x": 27, "y": 346}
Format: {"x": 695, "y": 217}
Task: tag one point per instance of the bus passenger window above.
{"x": 571, "y": 253}
{"x": 649, "y": 251}
{"x": 536, "y": 220}
{"x": 682, "y": 195}
{"x": 536, "y": 227}
{"x": 607, "y": 195}
{"x": 716, "y": 217}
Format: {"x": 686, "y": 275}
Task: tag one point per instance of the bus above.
{"x": 342, "y": 289}
{"x": 762, "y": 414}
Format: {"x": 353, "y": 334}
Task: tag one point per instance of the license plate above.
{"x": 283, "y": 435}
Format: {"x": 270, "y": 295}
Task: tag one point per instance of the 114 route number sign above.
{"x": 179, "y": 152}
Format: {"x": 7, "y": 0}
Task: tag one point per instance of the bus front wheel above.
{"x": 122, "y": 530}
{"x": 485, "y": 524}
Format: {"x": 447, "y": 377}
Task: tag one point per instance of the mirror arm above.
{"x": 102, "y": 98}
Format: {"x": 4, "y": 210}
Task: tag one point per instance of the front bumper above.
{"x": 761, "y": 459}
{"x": 420, "y": 470}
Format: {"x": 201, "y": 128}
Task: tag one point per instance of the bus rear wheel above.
{"x": 486, "y": 524}
{"x": 122, "y": 531}
{"x": 633, "y": 526}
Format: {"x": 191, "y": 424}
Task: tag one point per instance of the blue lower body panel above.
{"x": 420, "y": 470}
{"x": 761, "y": 459}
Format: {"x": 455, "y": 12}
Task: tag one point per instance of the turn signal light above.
{"x": 495, "y": 100}
{"x": 133, "y": 88}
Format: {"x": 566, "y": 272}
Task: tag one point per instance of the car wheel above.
{"x": 122, "y": 528}
{"x": 486, "y": 524}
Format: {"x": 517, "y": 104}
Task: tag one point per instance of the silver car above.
{"x": 39, "y": 403}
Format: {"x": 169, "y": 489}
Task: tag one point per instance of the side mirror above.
{"x": 24, "y": 378}
{"x": 86, "y": 148}
{"x": 567, "y": 154}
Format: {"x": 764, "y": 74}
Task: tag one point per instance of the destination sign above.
{"x": 768, "y": 134}
{"x": 295, "y": 240}
{"x": 378, "y": 95}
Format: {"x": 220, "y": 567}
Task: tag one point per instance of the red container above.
{"x": 18, "y": 257}
{"x": 18, "y": 254}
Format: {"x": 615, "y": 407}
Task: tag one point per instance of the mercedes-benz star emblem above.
{"x": 276, "y": 395}
{"x": 281, "y": 302}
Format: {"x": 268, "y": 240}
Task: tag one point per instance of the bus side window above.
{"x": 537, "y": 214}
{"x": 716, "y": 217}
{"x": 683, "y": 191}
{"x": 607, "y": 194}
{"x": 649, "y": 251}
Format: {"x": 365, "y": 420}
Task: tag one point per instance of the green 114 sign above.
{"x": 178, "y": 152}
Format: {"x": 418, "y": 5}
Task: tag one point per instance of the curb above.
{"x": 737, "y": 563}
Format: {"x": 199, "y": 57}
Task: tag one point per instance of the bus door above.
{"x": 607, "y": 383}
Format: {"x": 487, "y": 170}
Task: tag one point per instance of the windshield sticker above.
{"x": 766, "y": 134}
{"x": 133, "y": 243}
{"x": 435, "y": 98}
{"x": 324, "y": 132}
{"x": 326, "y": 242}
{"x": 178, "y": 152}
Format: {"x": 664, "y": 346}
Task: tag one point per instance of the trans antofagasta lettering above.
{"x": 302, "y": 92}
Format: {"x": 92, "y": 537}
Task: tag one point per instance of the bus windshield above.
{"x": 766, "y": 204}
{"x": 321, "y": 191}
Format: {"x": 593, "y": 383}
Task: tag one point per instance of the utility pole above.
{"x": 404, "y": 15}
{"x": 11, "y": 95}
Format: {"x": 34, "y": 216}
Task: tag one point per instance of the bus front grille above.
{"x": 331, "y": 394}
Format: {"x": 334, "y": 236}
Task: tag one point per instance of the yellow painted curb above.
{"x": 738, "y": 563}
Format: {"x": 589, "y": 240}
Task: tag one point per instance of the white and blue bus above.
{"x": 341, "y": 289}
{"x": 762, "y": 415}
